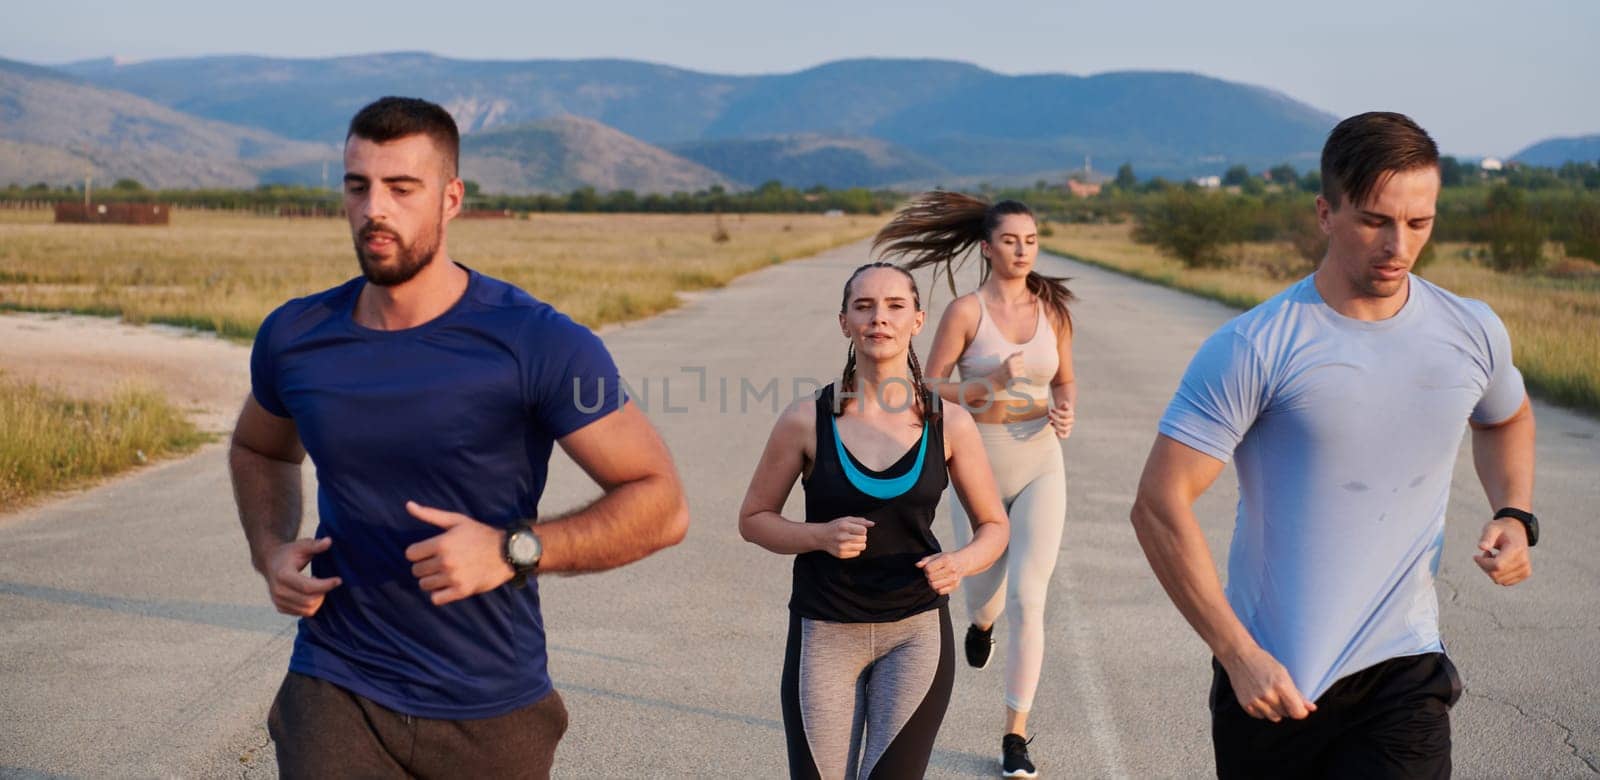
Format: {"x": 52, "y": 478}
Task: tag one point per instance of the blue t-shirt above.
{"x": 460, "y": 414}
{"x": 1345, "y": 435}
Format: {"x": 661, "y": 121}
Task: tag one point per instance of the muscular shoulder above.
{"x": 299, "y": 315}
{"x": 1275, "y": 330}
{"x": 531, "y": 327}
{"x": 1465, "y": 322}
{"x": 1468, "y": 310}
{"x": 518, "y": 305}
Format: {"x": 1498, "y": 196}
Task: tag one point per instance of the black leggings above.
{"x": 866, "y": 699}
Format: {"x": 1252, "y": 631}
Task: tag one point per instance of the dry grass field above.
{"x": 51, "y": 441}
{"x": 1554, "y": 318}
{"x": 224, "y": 272}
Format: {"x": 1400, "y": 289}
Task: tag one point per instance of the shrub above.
{"x": 1585, "y": 238}
{"x": 1191, "y": 226}
{"x": 1515, "y": 238}
{"x": 1305, "y": 233}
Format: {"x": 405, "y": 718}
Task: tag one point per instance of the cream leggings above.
{"x": 1028, "y": 468}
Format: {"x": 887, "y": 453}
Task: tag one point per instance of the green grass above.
{"x": 1554, "y": 318}
{"x": 52, "y": 442}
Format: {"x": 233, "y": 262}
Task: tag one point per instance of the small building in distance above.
{"x": 1491, "y": 164}
{"x": 1083, "y": 189}
{"x": 1209, "y": 182}
{"x": 1085, "y": 182}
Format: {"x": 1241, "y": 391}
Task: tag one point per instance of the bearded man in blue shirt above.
{"x": 429, "y": 397}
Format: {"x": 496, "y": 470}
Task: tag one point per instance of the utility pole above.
{"x": 88, "y": 174}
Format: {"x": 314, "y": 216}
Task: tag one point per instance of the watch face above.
{"x": 523, "y": 547}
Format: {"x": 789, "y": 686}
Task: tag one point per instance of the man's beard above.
{"x": 407, "y": 262}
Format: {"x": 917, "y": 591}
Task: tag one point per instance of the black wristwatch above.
{"x": 522, "y": 552}
{"x": 1526, "y": 518}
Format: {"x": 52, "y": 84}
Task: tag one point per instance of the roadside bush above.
{"x": 1191, "y": 226}
{"x": 1305, "y": 233}
{"x": 1515, "y": 238}
{"x": 1425, "y": 257}
{"x": 1584, "y": 240}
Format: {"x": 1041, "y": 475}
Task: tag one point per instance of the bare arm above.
{"x": 761, "y": 519}
{"x": 974, "y": 483}
{"x": 957, "y": 327}
{"x": 264, "y": 461}
{"x": 643, "y": 509}
{"x": 1503, "y": 455}
{"x": 791, "y": 446}
{"x": 1163, "y": 519}
{"x": 1064, "y": 385}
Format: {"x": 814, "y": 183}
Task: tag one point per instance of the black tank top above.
{"x": 882, "y": 584}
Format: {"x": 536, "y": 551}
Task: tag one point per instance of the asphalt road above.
{"x": 136, "y": 640}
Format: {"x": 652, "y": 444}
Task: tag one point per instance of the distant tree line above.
{"x": 271, "y": 198}
{"x": 1512, "y": 212}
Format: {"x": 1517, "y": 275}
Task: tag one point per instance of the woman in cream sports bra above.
{"x": 1011, "y": 339}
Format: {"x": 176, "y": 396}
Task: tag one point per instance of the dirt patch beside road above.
{"x": 91, "y": 357}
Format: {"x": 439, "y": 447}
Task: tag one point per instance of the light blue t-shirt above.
{"x": 1345, "y": 434}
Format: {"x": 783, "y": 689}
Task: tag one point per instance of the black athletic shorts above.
{"x": 1391, "y": 720}
{"x": 324, "y": 731}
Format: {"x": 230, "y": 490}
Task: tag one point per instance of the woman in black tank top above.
{"x": 868, "y": 670}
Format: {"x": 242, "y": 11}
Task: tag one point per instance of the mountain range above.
{"x": 566, "y": 153}
{"x": 57, "y": 128}
{"x": 552, "y": 125}
{"x": 1553, "y": 152}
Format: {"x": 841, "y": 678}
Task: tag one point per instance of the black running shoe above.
{"x": 980, "y": 646}
{"x": 1014, "y": 757}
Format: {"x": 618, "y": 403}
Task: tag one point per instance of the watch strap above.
{"x": 1530, "y": 523}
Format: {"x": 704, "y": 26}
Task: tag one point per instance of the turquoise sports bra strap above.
{"x": 878, "y": 487}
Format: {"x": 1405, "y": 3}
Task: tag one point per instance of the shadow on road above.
{"x": 260, "y": 619}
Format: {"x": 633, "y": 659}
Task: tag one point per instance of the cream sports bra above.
{"x": 1040, "y": 356}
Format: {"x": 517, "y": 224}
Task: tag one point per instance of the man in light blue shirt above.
{"x": 1341, "y": 401}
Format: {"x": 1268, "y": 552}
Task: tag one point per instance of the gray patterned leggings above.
{"x": 866, "y": 699}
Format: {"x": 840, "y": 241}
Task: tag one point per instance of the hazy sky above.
{"x": 1484, "y": 77}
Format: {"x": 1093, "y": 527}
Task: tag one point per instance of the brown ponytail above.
{"x": 939, "y": 228}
